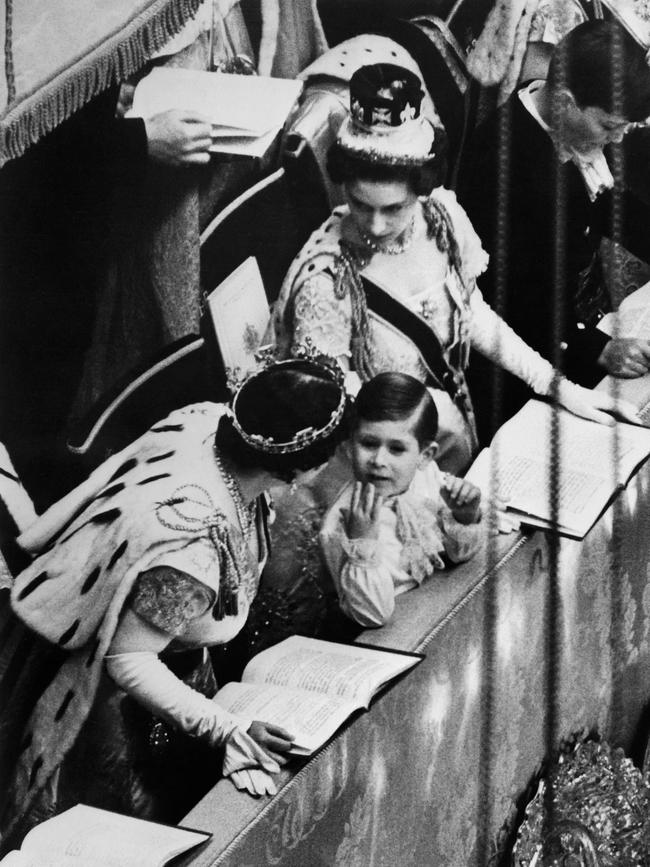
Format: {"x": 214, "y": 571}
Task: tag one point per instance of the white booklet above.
{"x": 246, "y": 111}
{"x": 88, "y": 837}
{"x": 240, "y": 314}
{"x": 594, "y": 462}
{"x": 632, "y": 319}
{"x": 310, "y": 686}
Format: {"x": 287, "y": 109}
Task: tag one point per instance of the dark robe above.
{"x": 56, "y": 235}
{"x": 540, "y": 245}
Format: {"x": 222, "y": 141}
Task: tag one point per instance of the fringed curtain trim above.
{"x": 119, "y": 56}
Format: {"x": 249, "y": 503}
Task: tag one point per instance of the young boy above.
{"x": 401, "y": 518}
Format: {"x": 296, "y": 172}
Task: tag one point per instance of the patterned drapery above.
{"x": 400, "y": 784}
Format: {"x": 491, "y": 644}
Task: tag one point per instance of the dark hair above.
{"x": 343, "y": 167}
{"x": 278, "y": 403}
{"x": 394, "y": 397}
{"x": 603, "y": 66}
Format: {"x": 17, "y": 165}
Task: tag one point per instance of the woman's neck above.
{"x": 244, "y": 483}
{"x": 252, "y": 482}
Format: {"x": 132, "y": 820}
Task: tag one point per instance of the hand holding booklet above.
{"x": 594, "y": 462}
{"x": 310, "y": 687}
{"x": 88, "y": 837}
{"x": 246, "y": 111}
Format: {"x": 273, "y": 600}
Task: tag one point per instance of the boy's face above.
{"x": 387, "y": 454}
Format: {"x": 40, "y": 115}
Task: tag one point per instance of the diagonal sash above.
{"x": 419, "y": 332}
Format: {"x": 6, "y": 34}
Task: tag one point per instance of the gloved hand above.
{"x": 595, "y": 405}
{"x": 248, "y": 765}
{"x": 148, "y": 680}
{"x": 244, "y": 752}
{"x": 254, "y": 781}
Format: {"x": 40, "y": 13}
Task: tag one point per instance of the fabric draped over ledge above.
{"x": 57, "y": 56}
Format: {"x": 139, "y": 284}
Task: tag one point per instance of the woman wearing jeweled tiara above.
{"x": 160, "y": 550}
{"x": 389, "y": 282}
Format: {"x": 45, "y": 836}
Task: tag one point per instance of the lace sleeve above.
{"x": 164, "y": 597}
{"x": 495, "y": 339}
{"x": 321, "y": 319}
{"x": 461, "y": 541}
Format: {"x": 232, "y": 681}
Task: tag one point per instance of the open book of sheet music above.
{"x": 88, "y": 837}
{"x": 595, "y": 461}
{"x": 246, "y": 111}
{"x": 310, "y": 687}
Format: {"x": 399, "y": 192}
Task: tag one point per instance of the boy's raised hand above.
{"x": 362, "y": 518}
{"x": 462, "y": 497}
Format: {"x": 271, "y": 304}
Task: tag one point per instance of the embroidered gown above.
{"x": 162, "y": 503}
{"x": 316, "y": 308}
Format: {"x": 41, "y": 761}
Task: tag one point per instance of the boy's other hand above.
{"x": 463, "y": 499}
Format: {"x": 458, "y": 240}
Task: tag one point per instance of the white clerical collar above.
{"x": 592, "y": 166}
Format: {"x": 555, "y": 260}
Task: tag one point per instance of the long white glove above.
{"x": 248, "y": 765}
{"x": 148, "y": 680}
{"x": 595, "y": 405}
{"x": 255, "y": 781}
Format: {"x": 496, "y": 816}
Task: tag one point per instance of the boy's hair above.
{"x": 395, "y": 397}
{"x": 603, "y": 66}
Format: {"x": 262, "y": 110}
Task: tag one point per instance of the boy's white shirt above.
{"x": 369, "y": 573}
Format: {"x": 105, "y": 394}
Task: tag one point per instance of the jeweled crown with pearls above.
{"x": 385, "y": 125}
{"x": 304, "y": 438}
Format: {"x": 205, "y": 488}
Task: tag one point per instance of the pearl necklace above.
{"x": 245, "y": 515}
{"x": 392, "y": 248}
